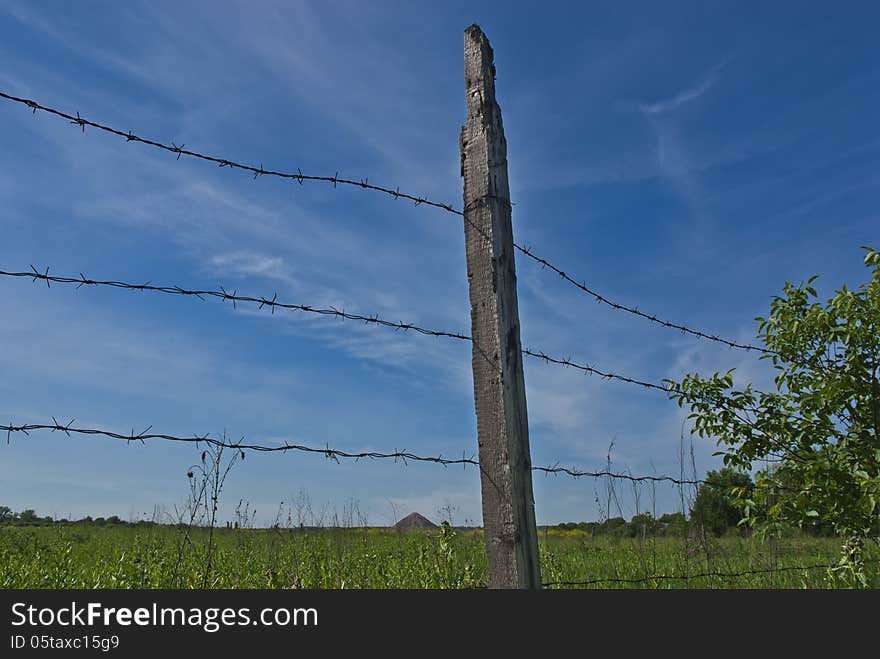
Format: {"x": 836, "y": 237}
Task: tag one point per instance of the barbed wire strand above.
{"x": 299, "y": 177}
{"x": 272, "y": 303}
{"x": 641, "y": 314}
{"x": 575, "y": 473}
{"x": 242, "y": 444}
{"x": 179, "y": 151}
{"x": 700, "y": 575}
{"x": 330, "y": 453}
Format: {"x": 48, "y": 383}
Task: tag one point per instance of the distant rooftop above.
{"x": 414, "y": 521}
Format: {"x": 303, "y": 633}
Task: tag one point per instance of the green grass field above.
{"x": 81, "y": 556}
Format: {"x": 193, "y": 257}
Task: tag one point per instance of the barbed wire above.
{"x": 242, "y": 444}
{"x": 576, "y": 473}
{"x": 700, "y": 575}
{"x": 234, "y": 297}
{"x": 641, "y": 314}
{"x": 299, "y": 177}
{"x": 272, "y": 303}
{"x": 330, "y": 453}
{"x": 591, "y": 370}
{"x": 179, "y": 151}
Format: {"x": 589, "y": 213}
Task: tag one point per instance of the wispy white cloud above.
{"x": 249, "y": 263}
{"x": 674, "y": 159}
{"x": 685, "y": 96}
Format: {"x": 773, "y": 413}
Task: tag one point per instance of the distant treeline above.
{"x": 716, "y": 509}
{"x": 671, "y": 524}
{"x": 30, "y": 518}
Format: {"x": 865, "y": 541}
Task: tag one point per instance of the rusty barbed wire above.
{"x": 299, "y": 177}
{"x": 272, "y": 303}
{"x": 330, "y": 453}
{"x": 700, "y": 575}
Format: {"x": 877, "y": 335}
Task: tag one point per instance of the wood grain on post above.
{"x": 499, "y": 387}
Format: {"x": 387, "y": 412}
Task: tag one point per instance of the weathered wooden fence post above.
{"x": 499, "y": 387}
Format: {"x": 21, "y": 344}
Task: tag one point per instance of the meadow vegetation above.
{"x": 86, "y": 555}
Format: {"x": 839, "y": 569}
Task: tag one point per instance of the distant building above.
{"x": 414, "y": 521}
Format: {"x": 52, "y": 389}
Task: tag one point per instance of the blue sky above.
{"x": 686, "y": 157}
